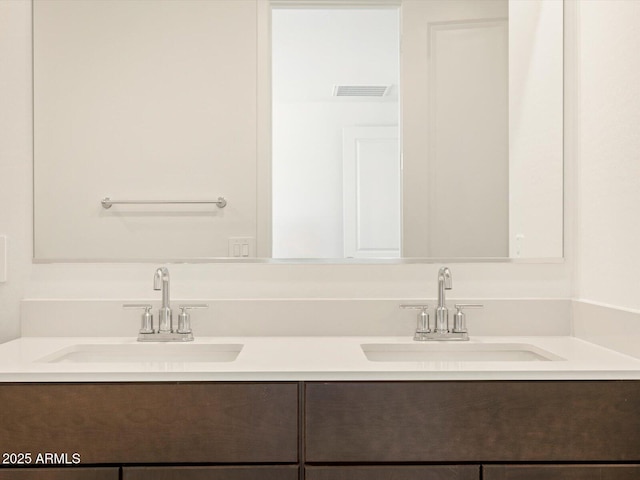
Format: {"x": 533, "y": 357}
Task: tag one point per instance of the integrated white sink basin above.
{"x": 145, "y": 353}
{"x": 456, "y": 352}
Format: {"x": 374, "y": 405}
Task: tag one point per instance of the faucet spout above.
{"x": 444, "y": 283}
{"x": 161, "y": 282}
{"x": 442, "y": 312}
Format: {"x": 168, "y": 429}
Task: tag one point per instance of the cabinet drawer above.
{"x": 561, "y": 472}
{"x": 289, "y": 472}
{"x": 153, "y": 422}
{"x": 472, "y": 421}
{"x": 59, "y": 473}
{"x": 432, "y": 472}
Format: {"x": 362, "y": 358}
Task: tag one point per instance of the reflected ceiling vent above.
{"x": 361, "y": 90}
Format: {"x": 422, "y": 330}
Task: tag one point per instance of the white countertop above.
{"x": 313, "y": 359}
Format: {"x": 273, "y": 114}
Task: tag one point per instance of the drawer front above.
{"x": 472, "y": 421}
{"x": 153, "y": 423}
{"x": 561, "y": 472}
{"x": 59, "y": 473}
{"x": 289, "y": 472}
{"x": 432, "y": 472}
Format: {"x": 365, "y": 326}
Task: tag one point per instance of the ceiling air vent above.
{"x": 360, "y": 90}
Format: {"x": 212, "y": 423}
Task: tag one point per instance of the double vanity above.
{"x": 319, "y": 408}
{"x": 375, "y": 407}
{"x": 439, "y": 350}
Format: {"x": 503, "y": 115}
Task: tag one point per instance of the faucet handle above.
{"x": 459, "y": 319}
{"x": 146, "y": 324}
{"x": 414, "y": 307}
{"x": 423, "y": 317}
{"x": 193, "y": 306}
{"x": 184, "y": 319}
{"x": 461, "y": 306}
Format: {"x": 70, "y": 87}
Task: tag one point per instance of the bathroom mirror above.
{"x": 292, "y": 130}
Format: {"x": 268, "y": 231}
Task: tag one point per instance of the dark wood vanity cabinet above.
{"x": 466, "y": 430}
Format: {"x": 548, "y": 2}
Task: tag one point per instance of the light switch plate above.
{"x": 3, "y": 258}
{"x": 242, "y": 247}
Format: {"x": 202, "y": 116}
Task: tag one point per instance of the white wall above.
{"x": 608, "y": 181}
{"x": 315, "y": 49}
{"x": 134, "y": 281}
{"x": 15, "y": 157}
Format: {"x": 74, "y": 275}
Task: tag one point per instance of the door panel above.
{"x": 561, "y": 472}
{"x": 435, "y": 472}
{"x": 211, "y": 473}
{"x": 490, "y": 421}
{"x": 59, "y": 474}
{"x": 153, "y": 422}
{"x": 371, "y": 190}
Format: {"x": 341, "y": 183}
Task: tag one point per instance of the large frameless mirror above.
{"x": 413, "y": 129}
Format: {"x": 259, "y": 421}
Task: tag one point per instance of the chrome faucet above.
{"x": 441, "y": 329}
{"x": 165, "y": 332}
{"x": 442, "y": 312}
{"x": 161, "y": 282}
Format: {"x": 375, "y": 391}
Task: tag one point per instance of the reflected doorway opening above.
{"x": 336, "y": 169}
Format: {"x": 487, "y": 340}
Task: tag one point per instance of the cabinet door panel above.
{"x": 561, "y": 472}
{"x": 59, "y": 473}
{"x": 437, "y": 472}
{"x": 153, "y": 422}
{"x": 472, "y": 421}
{"x": 211, "y": 473}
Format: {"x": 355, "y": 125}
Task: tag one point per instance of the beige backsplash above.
{"x": 294, "y": 317}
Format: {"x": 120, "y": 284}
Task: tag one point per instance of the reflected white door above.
{"x": 371, "y": 192}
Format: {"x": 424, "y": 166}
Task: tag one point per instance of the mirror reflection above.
{"x": 428, "y": 129}
{"x": 336, "y": 151}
